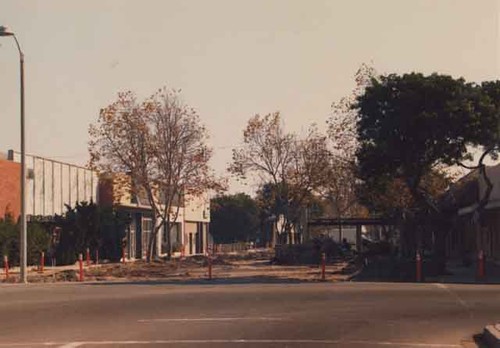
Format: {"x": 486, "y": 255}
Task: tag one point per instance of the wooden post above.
{"x": 42, "y": 261}
{"x": 88, "y": 257}
{"x": 6, "y": 266}
{"x": 323, "y": 266}
{"x": 359, "y": 240}
{"x": 80, "y": 262}
{"x": 480, "y": 265}
{"x": 419, "y": 267}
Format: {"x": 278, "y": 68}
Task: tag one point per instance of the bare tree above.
{"x": 294, "y": 167}
{"x": 160, "y": 144}
{"x": 340, "y": 189}
{"x": 182, "y": 155}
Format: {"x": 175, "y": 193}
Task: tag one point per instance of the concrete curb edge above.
{"x": 491, "y": 336}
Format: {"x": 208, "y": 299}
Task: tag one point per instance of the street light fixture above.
{"x": 24, "y": 275}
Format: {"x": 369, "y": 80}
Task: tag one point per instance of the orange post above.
{"x": 209, "y": 267}
{"x": 80, "y": 261}
{"x": 88, "y": 257}
{"x": 6, "y": 266}
{"x": 42, "y": 261}
{"x": 419, "y": 267}
{"x": 323, "y": 266}
{"x": 480, "y": 265}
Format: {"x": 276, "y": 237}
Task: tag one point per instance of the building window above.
{"x": 175, "y": 238}
{"x": 147, "y": 228}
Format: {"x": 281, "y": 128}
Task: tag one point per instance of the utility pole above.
{"x": 23, "y": 235}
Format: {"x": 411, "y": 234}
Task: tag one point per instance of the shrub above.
{"x": 38, "y": 240}
{"x": 89, "y": 226}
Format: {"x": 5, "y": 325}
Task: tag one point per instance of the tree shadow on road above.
{"x": 207, "y": 282}
{"x": 386, "y": 269}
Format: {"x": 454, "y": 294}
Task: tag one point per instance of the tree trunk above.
{"x": 152, "y": 243}
{"x": 274, "y": 234}
{"x": 340, "y": 229}
{"x": 168, "y": 239}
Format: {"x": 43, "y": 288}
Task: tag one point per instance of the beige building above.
{"x": 470, "y": 233}
{"x": 189, "y": 236}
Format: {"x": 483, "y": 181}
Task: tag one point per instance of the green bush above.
{"x": 90, "y": 226}
{"x": 84, "y": 226}
{"x": 38, "y": 239}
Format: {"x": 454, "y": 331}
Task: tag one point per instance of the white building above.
{"x": 51, "y": 185}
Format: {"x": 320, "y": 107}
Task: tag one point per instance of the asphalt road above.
{"x": 245, "y": 315}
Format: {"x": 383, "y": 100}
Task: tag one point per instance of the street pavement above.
{"x": 226, "y": 314}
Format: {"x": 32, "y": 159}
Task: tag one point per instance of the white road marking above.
{"x": 31, "y": 344}
{"x": 235, "y": 341}
{"x": 457, "y": 298}
{"x": 405, "y": 344}
{"x": 72, "y": 345}
{"x": 210, "y": 319}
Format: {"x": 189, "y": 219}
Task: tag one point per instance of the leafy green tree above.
{"x": 234, "y": 218}
{"x": 411, "y": 125}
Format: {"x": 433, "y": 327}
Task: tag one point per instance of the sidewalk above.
{"x": 387, "y": 269}
{"x": 468, "y": 275}
{"x": 49, "y": 273}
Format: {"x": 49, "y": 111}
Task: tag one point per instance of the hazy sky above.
{"x": 232, "y": 59}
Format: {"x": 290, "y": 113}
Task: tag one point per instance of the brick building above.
{"x": 10, "y": 188}
{"x": 50, "y": 185}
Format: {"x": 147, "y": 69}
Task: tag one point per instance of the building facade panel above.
{"x": 51, "y": 185}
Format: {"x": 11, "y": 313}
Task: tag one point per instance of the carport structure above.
{"x": 358, "y": 222}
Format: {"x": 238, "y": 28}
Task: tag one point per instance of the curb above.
{"x": 354, "y": 274}
{"x": 491, "y": 336}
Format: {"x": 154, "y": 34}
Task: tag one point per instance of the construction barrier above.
{"x": 230, "y": 248}
{"x": 323, "y": 266}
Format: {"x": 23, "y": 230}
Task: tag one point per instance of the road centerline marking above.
{"x": 215, "y": 319}
{"x": 241, "y": 341}
{"x": 262, "y": 341}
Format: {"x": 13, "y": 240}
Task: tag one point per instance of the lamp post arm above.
{"x": 21, "y": 54}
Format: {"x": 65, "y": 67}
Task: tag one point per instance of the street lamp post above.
{"x": 24, "y": 275}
